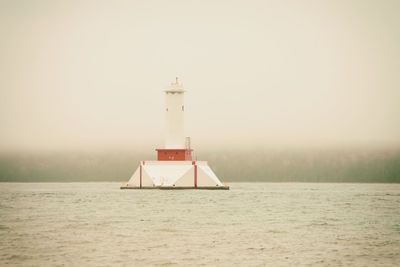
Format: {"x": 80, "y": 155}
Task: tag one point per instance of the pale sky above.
{"x": 90, "y": 74}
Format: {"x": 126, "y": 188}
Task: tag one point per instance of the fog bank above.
{"x": 290, "y": 165}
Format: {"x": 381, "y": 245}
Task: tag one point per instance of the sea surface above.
{"x": 253, "y": 224}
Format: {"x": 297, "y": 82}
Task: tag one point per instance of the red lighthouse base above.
{"x": 174, "y": 154}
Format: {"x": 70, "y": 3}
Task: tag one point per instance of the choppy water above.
{"x": 46, "y": 224}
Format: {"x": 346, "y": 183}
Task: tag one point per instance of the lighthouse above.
{"x": 174, "y": 167}
{"x": 176, "y": 146}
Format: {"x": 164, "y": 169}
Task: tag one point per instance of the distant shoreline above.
{"x": 236, "y": 182}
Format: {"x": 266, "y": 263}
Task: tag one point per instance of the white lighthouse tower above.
{"x": 174, "y": 137}
{"x": 174, "y": 168}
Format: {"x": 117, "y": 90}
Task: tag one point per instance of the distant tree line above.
{"x": 309, "y": 166}
{"x": 356, "y": 165}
